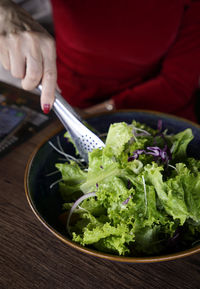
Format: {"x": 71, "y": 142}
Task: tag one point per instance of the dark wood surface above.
{"x": 31, "y": 257}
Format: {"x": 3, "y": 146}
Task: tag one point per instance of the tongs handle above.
{"x": 61, "y": 107}
{"x": 61, "y": 102}
{"x": 84, "y": 139}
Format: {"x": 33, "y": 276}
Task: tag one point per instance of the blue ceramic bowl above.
{"x": 46, "y": 203}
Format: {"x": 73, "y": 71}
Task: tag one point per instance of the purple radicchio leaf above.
{"x": 159, "y": 154}
{"x": 135, "y": 155}
{"x": 126, "y": 201}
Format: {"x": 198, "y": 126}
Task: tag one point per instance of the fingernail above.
{"x": 46, "y": 108}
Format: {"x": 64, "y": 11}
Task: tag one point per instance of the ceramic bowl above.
{"x": 46, "y": 203}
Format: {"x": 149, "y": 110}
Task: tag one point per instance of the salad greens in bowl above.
{"x": 138, "y": 198}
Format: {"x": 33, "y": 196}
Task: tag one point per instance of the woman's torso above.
{"x": 106, "y": 46}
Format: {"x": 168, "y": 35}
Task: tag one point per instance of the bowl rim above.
{"x": 74, "y": 245}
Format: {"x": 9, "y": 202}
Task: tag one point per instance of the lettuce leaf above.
{"x": 72, "y": 178}
{"x": 170, "y": 193}
{"x": 118, "y": 136}
{"x": 139, "y": 204}
{"x": 180, "y": 142}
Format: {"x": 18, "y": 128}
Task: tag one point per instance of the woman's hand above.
{"x": 27, "y": 50}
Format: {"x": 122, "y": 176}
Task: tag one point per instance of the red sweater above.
{"x": 144, "y": 54}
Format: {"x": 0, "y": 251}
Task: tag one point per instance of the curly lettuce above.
{"x": 141, "y": 199}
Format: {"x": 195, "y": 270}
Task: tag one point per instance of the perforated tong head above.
{"x": 84, "y": 139}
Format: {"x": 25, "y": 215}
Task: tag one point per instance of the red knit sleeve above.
{"x": 172, "y": 89}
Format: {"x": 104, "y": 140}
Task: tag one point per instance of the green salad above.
{"x": 139, "y": 195}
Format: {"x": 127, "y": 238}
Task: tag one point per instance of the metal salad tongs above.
{"x": 84, "y": 139}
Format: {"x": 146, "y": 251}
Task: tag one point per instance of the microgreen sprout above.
{"x": 68, "y": 157}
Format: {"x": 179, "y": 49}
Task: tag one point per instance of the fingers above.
{"x": 33, "y": 73}
{"x": 41, "y": 68}
{"x": 17, "y": 65}
{"x": 31, "y": 56}
{"x": 4, "y": 54}
{"x": 16, "y": 58}
{"x": 11, "y": 55}
{"x": 33, "y": 59}
{"x": 49, "y": 79}
{"x": 5, "y": 59}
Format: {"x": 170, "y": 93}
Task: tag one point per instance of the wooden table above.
{"x": 31, "y": 257}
